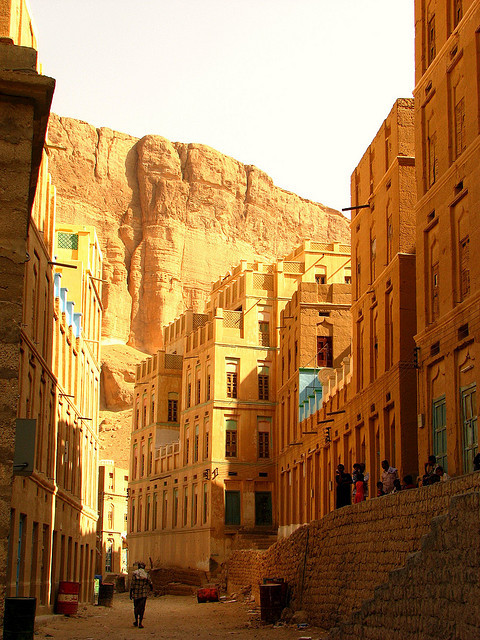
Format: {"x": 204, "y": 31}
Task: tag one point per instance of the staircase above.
{"x": 254, "y": 539}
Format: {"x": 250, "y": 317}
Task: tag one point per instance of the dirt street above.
{"x": 170, "y": 618}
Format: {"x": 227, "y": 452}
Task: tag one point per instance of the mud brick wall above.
{"x": 333, "y": 565}
{"x": 436, "y": 595}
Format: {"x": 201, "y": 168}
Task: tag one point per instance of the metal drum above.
{"x": 19, "y": 618}
{"x": 271, "y": 602}
{"x": 105, "y": 594}
{"x": 67, "y": 598}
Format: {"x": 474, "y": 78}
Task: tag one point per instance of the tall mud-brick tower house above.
{"x": 203, "y": 466}
{"x": 447, "y": 55}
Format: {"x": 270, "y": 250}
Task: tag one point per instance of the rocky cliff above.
{"x": 171, "y": 218}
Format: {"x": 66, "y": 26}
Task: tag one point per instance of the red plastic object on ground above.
{"x": 207, "y": 594}
{"x": 67, "y": 599}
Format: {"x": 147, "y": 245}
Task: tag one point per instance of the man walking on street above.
{"x": 140, "y": 587}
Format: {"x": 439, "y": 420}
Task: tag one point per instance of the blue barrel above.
{"x": 19, "y": 618}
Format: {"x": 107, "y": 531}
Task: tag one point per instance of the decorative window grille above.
{"x": 263, "y": 281}
{"x": 67, "y": 240}
{"x": 293, "y": 267}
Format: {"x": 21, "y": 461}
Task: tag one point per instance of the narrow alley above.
{"x": 170, "y": 618}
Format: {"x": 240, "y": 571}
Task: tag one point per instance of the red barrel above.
{"x": 67, "y": 599}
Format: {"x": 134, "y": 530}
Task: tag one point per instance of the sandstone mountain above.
{"x": 171, "y": 218}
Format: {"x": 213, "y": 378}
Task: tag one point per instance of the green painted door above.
{"x": 469, "y": 426}
{"x": 439, "y": 424}
{"x": 263, "y": 508}
{"x": 232, "y": 507}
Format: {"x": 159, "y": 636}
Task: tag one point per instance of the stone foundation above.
{"x": 333, "y": 565}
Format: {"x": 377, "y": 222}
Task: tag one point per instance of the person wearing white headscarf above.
{"x": 140, "y": 587}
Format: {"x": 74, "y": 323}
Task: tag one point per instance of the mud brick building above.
{"x": 368, "y": 410}
{"x": 213, "y": 486}
{"x": 448, "y": 232}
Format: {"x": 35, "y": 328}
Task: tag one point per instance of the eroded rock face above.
{"x": 171, "y": 218}
{"x": 118, "y": 376}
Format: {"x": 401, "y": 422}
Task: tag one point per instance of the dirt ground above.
{"x": 170, "y": 618}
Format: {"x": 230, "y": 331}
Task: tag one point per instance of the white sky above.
{"x": 298, "y": 88}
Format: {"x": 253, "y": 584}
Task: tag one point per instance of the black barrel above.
{"x": 19, "y": 618}
{"x": 271, "y": 602}
{"x": 105, "y": 594}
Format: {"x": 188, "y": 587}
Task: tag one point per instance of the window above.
{"x": 185, "y": 506}
{"x": 373, "y": 344}
{"x": 67, "y": 240}
{"x": 373, "y": 257}
{"x": 187, "y": 446}
{"x": 469, "y": 426}
{"x": 189, "y": 391}
{"x": 231, "y": 439}
{"x": 263, "y": 383}
{"x": 460, "y": 142}
{"x": 321, "y": 278}
{"x": 137, "y": 413}
{"x": 264, "y": 334}
{"x": 198, "y": 391}
{"x": 263, "y": 428}
{"x": 232, "y": 374}
{"x": 205, "y": 503}
{"x": 431, "y": 40}
{"x": 434, "y": 292}
{"x": 164, "y": 509}
{"x": 389, "y": 238}
{"x": 264, "y": 328}
{"x": 464, "y": 252}
{"x": 324, "y": 351}
{"x": 439, "y": 425}
{"x": 154, "y": 514}
{"x": 147, "y": 513}
{"x": 172, "y": 407}
{"x": 150, "y": 457}
{"x": 195, "y": 445}
{"x": 135, "y": 462}
{"x": 208, "y": 385}
{"x": 108, "y": 556}
{"x": 232, "y": 507}
{"x": 206, "y": 443}
{"x": 457, "y": 12}
{"x": 110, "y": 518}
{"x": 263, "y": 508}
{"x": 175, "y": 507}
{"x": 432, "y": 158}
{"x": 194, "y": 505}
{"x": 358, "y": 287}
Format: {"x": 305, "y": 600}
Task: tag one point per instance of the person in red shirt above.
{"x": 359, "y": 488}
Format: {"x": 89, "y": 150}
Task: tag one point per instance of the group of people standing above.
{"x": 354, "y": 486}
